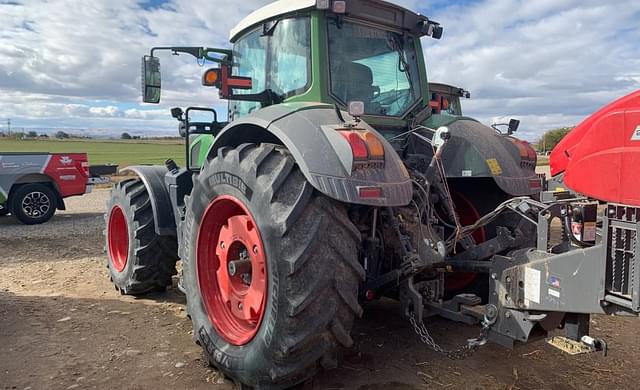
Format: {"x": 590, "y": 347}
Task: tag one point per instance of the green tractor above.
{"x": 445, "y": 99}
{"x": 333, "y": 183}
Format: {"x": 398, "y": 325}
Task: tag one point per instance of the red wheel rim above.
{"x": 118, "y": 237}
{"x": 231, "y": 268}
{"x": 467, "y": 214}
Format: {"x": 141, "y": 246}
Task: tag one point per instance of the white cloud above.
{"x": 548, "y": 62}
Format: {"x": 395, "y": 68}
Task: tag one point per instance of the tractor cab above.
{"x": 445, "y": 99}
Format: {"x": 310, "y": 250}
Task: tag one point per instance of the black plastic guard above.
{"x": 153, "y": 179}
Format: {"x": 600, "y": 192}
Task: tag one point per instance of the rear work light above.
{"x": 365, "y": 146}
{"x": 337, "y": 6}
{"x": 323, "y": 4}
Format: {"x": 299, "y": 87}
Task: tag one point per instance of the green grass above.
{"x": 122, "y": 153}
{"x": 543, "y": 160}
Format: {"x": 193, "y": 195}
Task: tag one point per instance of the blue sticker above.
{"x": 554, "y": 282}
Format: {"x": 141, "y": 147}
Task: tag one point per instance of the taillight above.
{"x": 370, "y": 192}
{"x": 357, "y": 143}
{"x": 376, "y": 149}
{"x": 85, "y": 167}
{"x": 365, "y": 145}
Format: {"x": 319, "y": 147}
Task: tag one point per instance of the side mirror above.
{"x": 513, "y": 126}
{"x": 151, "y": 80}
{"x": 177, "y": 113}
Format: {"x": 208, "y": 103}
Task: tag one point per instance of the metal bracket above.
{"x": 460, "y": 309}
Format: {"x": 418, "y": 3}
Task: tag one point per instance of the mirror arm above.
{"x": 200, "y": 53}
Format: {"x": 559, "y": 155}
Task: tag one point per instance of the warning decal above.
{"x": 532, "y": 285}
{"x": 494, "y": 166}
{"x": 636, "y": 134}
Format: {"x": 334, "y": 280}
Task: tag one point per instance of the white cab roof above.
{"x": 270, "y": 11}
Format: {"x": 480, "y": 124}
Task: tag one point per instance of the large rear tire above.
{"x": 139, "y": 260}
{"x": 293, "y": 303}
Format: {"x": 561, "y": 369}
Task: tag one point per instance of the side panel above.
{"x": 68, "y": 172}
{"x": 153, "y": 179}
{"x": 14, "y": 166}
{"x": 308, "y": 130}
{"x": 565, "y": 150}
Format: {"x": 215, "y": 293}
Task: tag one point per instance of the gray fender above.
{"x": 473, "y": 145}
{"x": 308, "y": 131}
{"x": 153, "y": 179}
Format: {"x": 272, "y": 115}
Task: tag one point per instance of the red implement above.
{"x": 601, "y": 156}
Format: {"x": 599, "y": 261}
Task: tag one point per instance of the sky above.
{"x": 75, "y": 64}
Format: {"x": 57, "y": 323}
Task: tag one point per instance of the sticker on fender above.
{"x": 494, "y": 166}
{"x": 532, "y": 285}
{"x": 636, "y": 134}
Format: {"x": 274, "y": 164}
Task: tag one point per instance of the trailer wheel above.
{"x": 272, "y": 271}
{"x": 33, "y": 204}
{"x": 139, "y": 260}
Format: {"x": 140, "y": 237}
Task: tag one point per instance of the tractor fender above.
{"x": 477, "y": 151}
{"x": 308, "y": 131}
{"x": 153, "y": 179}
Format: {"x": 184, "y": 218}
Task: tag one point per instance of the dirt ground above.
{"x": 63, "y": 326}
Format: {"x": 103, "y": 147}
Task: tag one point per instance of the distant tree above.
{"x": 552, "y": 138}
{"x": 125, "y": 136}
{"x": 18, "y": 134}
{"x": 136, "y": 137}
{"x": 43, "y": 135}
{"x": 62, "y": 135}
{"x": 32, "y": 134}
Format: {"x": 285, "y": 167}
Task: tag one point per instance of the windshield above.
{"x": 279, "y": 61}
{"x": 375, "y": 66}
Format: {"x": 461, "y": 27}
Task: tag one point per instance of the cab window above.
{"x": 279, "y": 61}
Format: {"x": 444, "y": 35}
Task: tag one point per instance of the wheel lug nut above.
{"x": 255, "y": 249}
{"x": 240, "y": 305}
{"x": 222, "y": 244}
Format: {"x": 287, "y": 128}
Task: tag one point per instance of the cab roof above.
{"x": 374, "y": 10}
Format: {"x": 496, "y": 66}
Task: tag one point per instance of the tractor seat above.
{"x": 354, "y": 82}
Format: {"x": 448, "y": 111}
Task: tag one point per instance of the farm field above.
{"x": 122, "y": 153}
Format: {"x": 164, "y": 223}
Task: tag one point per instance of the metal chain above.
{"x": 456, "y": 354}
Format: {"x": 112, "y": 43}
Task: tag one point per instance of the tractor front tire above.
{"x": 139, "y": 260}
{"x": 288, "y": 302}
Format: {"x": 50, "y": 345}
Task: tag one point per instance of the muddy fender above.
{"x": 308, "y": 131}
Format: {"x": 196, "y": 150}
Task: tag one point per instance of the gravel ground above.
{"x": 62, "y": 326}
